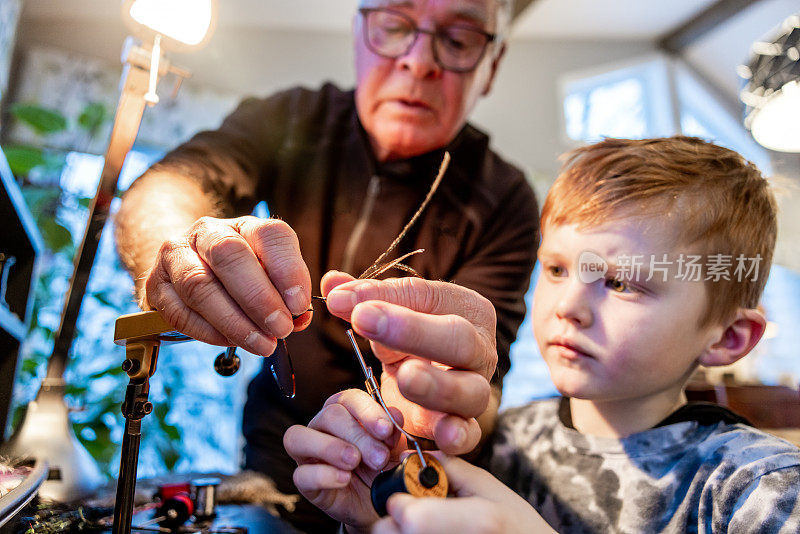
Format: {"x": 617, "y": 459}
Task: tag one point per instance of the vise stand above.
{"x": 142, "y": 334}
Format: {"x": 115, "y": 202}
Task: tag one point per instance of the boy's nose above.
{"x": 574, "y": 304}
{"x": 419, "y": 59}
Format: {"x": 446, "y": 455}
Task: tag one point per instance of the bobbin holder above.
{"x": 420, "y": 474}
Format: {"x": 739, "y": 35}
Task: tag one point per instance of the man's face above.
{"x": 410, "y": 105}
{"x": 615, "y": 336}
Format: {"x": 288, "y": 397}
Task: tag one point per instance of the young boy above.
{"x": 654, "y": 255}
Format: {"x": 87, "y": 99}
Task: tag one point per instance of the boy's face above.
{"x": 617, "y": 336}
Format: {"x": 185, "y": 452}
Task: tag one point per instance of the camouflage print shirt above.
{"x": 682, "y": 477}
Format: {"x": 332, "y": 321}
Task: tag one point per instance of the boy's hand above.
{"x": 481, "y": 504}
{"x": 437, "y": 344}
{"x": 340, "y": 452}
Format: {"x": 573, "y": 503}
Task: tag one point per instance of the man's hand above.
{"x": 437, "y": 344}
{"x": 339, "y": 454}
{"x": 232, "y": 282}
{"x": 481, "y": 504}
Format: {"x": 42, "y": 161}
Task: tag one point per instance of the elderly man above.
{"x": 344, "y": 171}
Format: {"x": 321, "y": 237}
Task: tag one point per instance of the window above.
{"x": 615, "y": 110}
{"x": 650, "y": 97}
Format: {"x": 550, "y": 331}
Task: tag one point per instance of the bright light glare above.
{"x": 777, "y": 124}
{"x": 186, "y": 21}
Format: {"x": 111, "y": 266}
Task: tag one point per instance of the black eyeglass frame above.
{"x": 438, "y": 32}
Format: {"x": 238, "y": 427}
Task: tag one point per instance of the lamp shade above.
{"x": 772, "y": 92}
{"x": 183, "y": 25}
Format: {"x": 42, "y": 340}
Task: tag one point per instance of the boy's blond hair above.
{"x": 719, "y": 201}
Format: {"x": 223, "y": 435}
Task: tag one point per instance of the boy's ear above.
{"x": 739, "y": 337}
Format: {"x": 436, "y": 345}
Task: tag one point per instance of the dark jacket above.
{"x": 305, "y": 153}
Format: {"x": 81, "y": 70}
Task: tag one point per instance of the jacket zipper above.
{"x": 361, "y": 225}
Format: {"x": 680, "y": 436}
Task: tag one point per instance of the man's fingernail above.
{"x": 378, "y": 458}
{"x": 279, "y": 324}
{"x": 384, "y": 427}
{"x": 258, "y": 343}
{"x": 342, "y": 477}
{"x": 350, "y": 456}
{"x": 420, "y": 384}
{"x": 459, "y": 437}
{"x": 341, "y": 300}
{"x": 372, "y": 320}
{"x": 293, "y": 297}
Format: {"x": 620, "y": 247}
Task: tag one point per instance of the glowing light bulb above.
{"x": 777, "y": 124}
{"x": 186, "y": 21}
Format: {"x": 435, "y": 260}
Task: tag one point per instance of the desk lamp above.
{"x": 176, "y": 25}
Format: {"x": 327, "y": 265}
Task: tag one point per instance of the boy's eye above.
{"x": 617, "y": 285}
{"x": 556, "y": 270}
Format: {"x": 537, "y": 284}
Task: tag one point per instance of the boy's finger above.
{"x": 431, "y": 515}
{"x": 304, "y": 445}
{"x": 467, "y": 480}
{"x": 366, "y": 411}
{"x": 385, "y": 525}
{"x": 336, "y": 420}
{"x": 312, "y": 478}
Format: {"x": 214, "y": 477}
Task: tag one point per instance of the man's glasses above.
{"x": 391, "y": 34}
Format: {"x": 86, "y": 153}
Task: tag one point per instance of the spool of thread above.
{"x": 175, "y": 510}
{"x": 205, "y": 498}
{"x": 409, "y": 477}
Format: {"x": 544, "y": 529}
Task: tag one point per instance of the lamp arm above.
{"x": 126, "y": 125}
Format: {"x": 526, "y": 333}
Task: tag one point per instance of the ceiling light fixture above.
{"x": 772, "y": 93}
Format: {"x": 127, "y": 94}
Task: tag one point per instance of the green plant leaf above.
{"x": 160, "y": 410}
{"x": 22, "y": 159}
{"x": 30, "y": 366}
{"x": 170, "y": 457}
{"x": 113, "y": 370}
{"x": 76, "y": 390}
{"x": 18, "y": 414}
{"x": 171, "y": 431}
{"x": 92, "y": 117}
{"x": 42, "y": 120}
{"x": 103, "y": 298}
{"x": 55, "y": 236}
{"x": 40, "y": 199}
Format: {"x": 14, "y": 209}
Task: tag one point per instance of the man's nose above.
{"x": 419, "y": 60}
{"x": 575, "y": 304}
